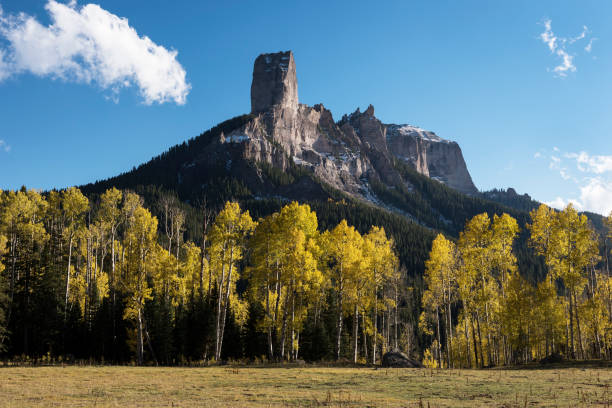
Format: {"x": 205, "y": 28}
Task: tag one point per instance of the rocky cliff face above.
{"x": 346, "y": 154}
{"x": 431, "y": 155}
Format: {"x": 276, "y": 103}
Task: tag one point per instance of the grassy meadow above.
{"x": 230, "y": 386}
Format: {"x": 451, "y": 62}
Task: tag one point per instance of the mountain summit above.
{"x": 274, "y": 82}
{"x": 348, "y": 154}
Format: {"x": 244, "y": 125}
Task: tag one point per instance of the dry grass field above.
{"x": 228, "y": 386}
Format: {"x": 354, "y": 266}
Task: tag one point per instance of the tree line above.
{"x": 105, "y": 279}
{"x": 479, "y": 311}
{"x": 102, "y": 278}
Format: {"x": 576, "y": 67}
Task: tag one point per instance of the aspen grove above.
{"x": 479, "y": 311}
{"x": 97, "y": 280}
{"x": 104, "y": 279}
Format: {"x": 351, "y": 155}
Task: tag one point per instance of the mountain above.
{"x": 289, "y": 150}
{"x": 347, "y": 154}
{"x": 401, "y": 177}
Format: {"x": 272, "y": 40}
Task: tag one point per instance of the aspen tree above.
{"x": 264, "y": 274}
{"x": 566, "y": 241}
{"x": 380, "y": 268}
{"x": 516, "y": 314}
{"x": 140, "y": 246}
{"x": 474, "y": 279}
{"x": 342, "y": 251}
{"x": 191, "y": 272}
{"x": 575, "y": 250}
{"x": 504, "y": 230}
{"x": 298, "y": 231}
{"x": 285, "y": 274}
{"x": 109, "y": 216}
{"x": 541, "y": 235}
{"x": 441, "y": 282}
{"x": 74, "y": 207}
{"x": 207, "y": 218}
{"x": 228, "y": 238}
{"x": 167, "y": 284}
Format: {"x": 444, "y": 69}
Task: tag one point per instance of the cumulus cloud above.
{"x": 90, "y": 45}
{"x": 591, "y": 176}
{"x": 559, "y": 46}
{"x": 559, "y": 203}
{"x": 4, "y": 146}
{"x": 596, "y": 195}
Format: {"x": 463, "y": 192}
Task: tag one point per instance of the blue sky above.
{"x": 477, "y": 72}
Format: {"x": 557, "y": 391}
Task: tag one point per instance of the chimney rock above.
{"x": 274, "y": 82}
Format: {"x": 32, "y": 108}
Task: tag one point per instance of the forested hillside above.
{"x": 203, "y": 254}
{"x": 410, "y": 211}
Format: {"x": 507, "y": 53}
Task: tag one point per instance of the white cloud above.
{"x": 537, "y": 155}
{"x": 589, "y": 46}
{"x": 582, "y": 35}
{"x": 548, "y": 37}
{"x": 4, "y": 146}
{"x": 596, "y": 195}
{"x": 597, "y": 164}
{"x": 559, "y": 47}
{"x": 559, "y": 203}
{"x": 555, "y": 163}
{"x": 564, "y": 174}
{"x": 591, "y": 176}
{"x": 90, "y": 45}
{"x": 567, "y": 63}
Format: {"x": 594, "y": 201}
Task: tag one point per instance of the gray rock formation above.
{"x": 345, "y": 154}
{"x": 274, "y": 82}
{"x": 431, "y": 155}
{"x": 397, "y": 359}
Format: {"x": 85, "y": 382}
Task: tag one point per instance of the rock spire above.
{"x": 274, "y": 82}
